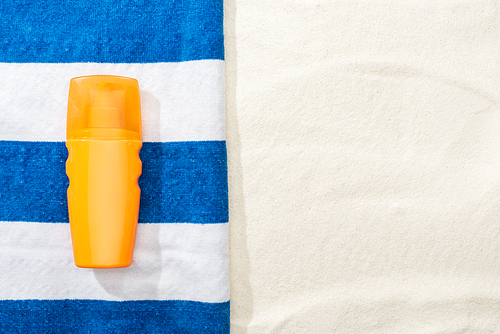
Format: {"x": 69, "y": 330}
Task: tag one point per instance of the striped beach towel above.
{"x": 178, "y": 282}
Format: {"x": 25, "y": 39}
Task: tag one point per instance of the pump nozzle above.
{"x": 104, "y": 107}
{"x": 104, "y": 111}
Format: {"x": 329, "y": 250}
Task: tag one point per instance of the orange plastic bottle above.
{"x": 103, "y": 166}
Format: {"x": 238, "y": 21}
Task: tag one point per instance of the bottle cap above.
{"x": 104, "y": 107}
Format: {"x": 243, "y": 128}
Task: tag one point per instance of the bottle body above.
{"x": 103, "y": 200}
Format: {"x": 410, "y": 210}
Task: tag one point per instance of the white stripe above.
{"x": 180, "y": 101}
{"x": 171, "y": 261}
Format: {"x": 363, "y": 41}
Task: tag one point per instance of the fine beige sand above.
{"x": 364, "y": 166}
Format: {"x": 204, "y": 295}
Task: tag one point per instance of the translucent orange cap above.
{"x": 104, "y": 107}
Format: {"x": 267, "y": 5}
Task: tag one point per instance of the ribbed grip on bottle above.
{"x": 103, "y": 200}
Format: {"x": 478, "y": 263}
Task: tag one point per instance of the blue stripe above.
{"x": 99, "y": 316}
{"x": 114, "y": 31}
{"x": 184, "y": 182}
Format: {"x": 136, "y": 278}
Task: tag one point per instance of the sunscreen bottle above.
{"x": 103, "y": 140}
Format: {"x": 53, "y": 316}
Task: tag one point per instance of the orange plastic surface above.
{"x": 103, "y": 140}
{"x": 103, "y": 199}
{"x": 104, "y": 102}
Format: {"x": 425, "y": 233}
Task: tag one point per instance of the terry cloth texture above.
{"x": 178, "y": 282}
